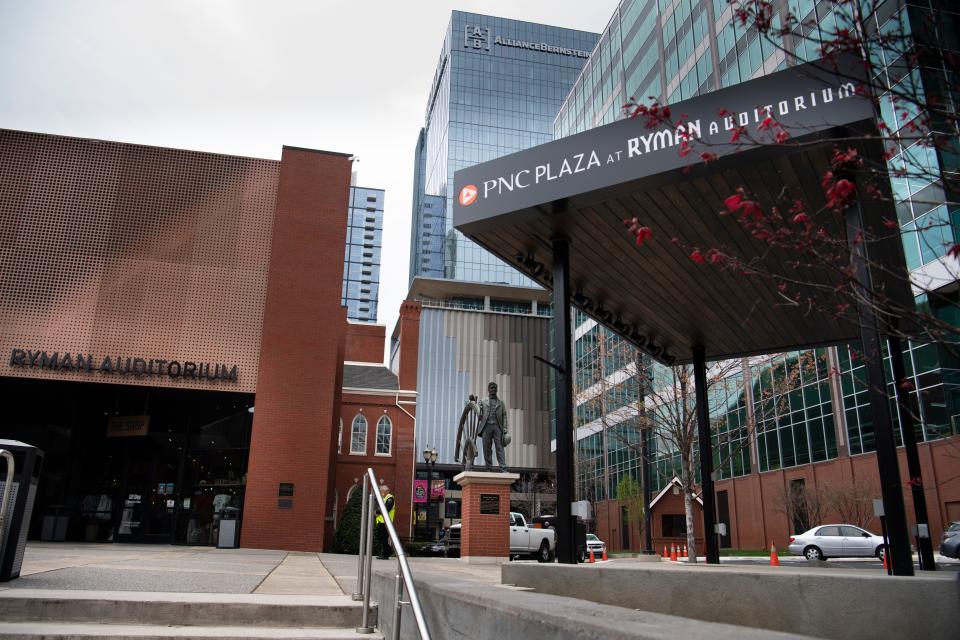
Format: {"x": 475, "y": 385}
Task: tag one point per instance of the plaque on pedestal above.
{"x": 485, "y": 517}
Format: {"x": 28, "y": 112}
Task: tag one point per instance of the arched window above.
{"x": 384, "y": 436}
{"x": 358, "y": 436}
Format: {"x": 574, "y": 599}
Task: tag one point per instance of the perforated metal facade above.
{"x": 127, "y": 251}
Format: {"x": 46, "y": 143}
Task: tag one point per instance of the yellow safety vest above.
{"x": 392, "y": 511}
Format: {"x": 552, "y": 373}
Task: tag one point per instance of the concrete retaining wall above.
{"x": 823, "y": 603}
{"x": 468, "y": 610}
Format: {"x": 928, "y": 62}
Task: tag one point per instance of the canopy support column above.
{"x": 891, "y": 489}
{"x": 563, "y": 392}
{"x": 905, "y": 410}
{"x": 706, "y": 454}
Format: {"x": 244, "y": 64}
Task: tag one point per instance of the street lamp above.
{"x": 430, "y": 457}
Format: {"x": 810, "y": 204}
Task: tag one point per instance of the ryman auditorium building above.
{"x": 173, "y": 339}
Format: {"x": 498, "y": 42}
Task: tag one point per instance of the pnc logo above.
{"x": 468, "y": 195}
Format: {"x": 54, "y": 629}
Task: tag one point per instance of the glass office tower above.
{"x": 361, "y": 260}
{"x": 496, "y": 90}
{"x": 671, "y": 50}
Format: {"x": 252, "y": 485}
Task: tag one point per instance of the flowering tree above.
{"x": 912, "y": 83}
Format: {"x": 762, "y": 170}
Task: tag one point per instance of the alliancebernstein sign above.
{"x": 119, "y": 365}
{"x": 475, "y": 37}
{"x": 801, "y": 101}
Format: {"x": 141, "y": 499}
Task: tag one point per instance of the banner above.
{"x": 438, "y": 490}
{"x": 419, "y": 491}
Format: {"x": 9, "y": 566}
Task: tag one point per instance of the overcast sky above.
{"x": 246, "y": 77}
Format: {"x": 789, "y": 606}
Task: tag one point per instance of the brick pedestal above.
{"x": 485, "y": 536}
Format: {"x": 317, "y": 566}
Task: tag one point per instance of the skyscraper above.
{"x": 673, "y": 50}
{"x": 361, "y": 261}
{"x": 496, "y": 90}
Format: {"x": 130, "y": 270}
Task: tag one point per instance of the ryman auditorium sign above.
{"x": 80, "y": 363}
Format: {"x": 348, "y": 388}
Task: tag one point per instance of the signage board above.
{"x": 489, "y": 503}
{"x": 800, "y": 101}
{"x": 128, "y": 426}
{"x": 88, "y": 363}
{"x": 420, "y": 491}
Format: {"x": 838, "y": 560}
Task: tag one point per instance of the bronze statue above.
{"x": 467, "y": 434}
{"x": 493, "y": 428}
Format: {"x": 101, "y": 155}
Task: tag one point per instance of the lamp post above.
{"x": 430, "y": 457}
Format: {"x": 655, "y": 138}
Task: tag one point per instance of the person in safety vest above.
{"x": 382, "y": 535}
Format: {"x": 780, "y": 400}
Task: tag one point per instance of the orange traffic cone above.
{"x": 604, "y": 556}
{"x": 774, "y": 558}
{"x": 673, "y": 553}
{"x": 685, "y": 552}
{"x": 665, "y": 556}
{"x": 592, "y": 559}
{"x": 883, "y": 557}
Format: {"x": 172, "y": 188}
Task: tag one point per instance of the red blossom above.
{"x": 800, "y": 218}
{"x": 737, "y": 132}
{"x": 697, "y": 257}
{"x": 890, "y": 224}
{"x": 782, "y": 136}
{"x": 840, "y": 193}
{"x": 954, "y": 251}
{"x": 707, "y": 157}
{"x": 752, "y": 209}
{"x": 643, "y": 233}
{"x": 733, "y": 202}
{"x": 766, "y": 123}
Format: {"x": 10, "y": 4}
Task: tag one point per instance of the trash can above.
{"x": 27, "y": 462}
{"x": 229, "y": 537}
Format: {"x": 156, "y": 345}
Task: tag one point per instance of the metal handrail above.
{"x": 372, "y": 503}
{"x": 7, "y": 487}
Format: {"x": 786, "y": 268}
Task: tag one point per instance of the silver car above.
{"x": 836, "y": 541}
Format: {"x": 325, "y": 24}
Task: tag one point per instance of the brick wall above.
{"x": 395, "y": 469}
{"x": 302, "y": 348}
{"x": 409, "y": 330}
{"x": 364, "y": 342}
{"x": 485, "y": 534}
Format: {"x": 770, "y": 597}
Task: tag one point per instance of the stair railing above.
{"x": 373, "y": 503}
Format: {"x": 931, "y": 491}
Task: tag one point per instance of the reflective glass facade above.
{"x": 497, "y": 88}
{"x": 361, "y": 260}
{"x": 671, "y": 50}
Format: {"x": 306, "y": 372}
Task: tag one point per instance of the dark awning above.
{"x": 584, "y": 186}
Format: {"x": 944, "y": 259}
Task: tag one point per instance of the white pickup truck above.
{"x": 524, "y": 541}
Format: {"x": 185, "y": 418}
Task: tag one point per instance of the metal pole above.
{"x": 563, "y": 391}
{"x": 398, "y": 603}
{"x": 899, "y": 558}
{"x": 905, "y": 405}
{"x": 706, "y": 454}
{"x": 645, "y": 436}
{"x": 366, "y": 627}
{"x": 362, "y": 553}
{"x": 7, "y": 487}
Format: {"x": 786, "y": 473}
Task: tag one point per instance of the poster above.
{"x": 419, "y": 491}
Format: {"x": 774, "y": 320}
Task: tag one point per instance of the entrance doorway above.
{"x": 132, "y": 464}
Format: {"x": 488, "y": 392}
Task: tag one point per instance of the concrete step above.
{"x": 80, "y": 631}
{"x": 180, "y": 609}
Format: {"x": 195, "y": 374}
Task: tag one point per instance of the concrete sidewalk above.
{"x": 165, "y": 568}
